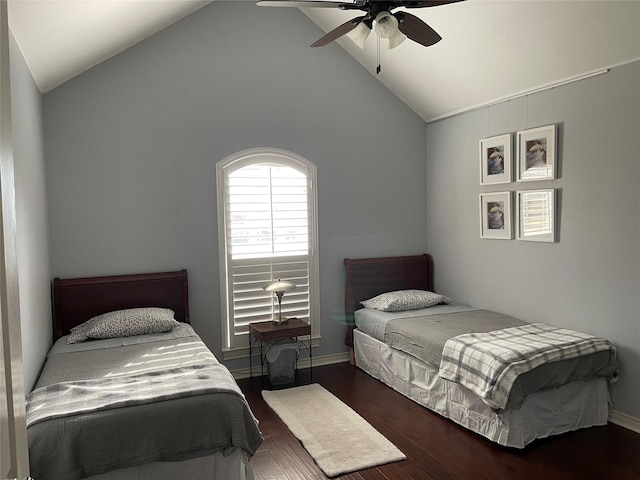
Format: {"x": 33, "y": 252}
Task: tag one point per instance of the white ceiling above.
{"x": 62, "y": 38}
{"x": 491, "y": 50}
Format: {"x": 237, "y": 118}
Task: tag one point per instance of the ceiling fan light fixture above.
{"x": 395, "y": 27}
{"x": 386, "y": 26}
{"x": 396, "y": 39}
{"x": 359, "y": 34}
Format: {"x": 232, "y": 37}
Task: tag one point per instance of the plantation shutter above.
{"x": 267, "y": 236}
{"x": 252, "y": 304}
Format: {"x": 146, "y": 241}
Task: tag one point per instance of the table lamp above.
{"x": 278, "y": 287}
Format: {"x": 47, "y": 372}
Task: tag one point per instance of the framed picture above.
{"x": 537, "y": 154}
{"x": 495, "y": 160}
{"x": 536, "y": 215}
{"x": 495, "y": 215}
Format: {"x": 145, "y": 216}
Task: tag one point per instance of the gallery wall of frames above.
{"x": 535, "y": 209}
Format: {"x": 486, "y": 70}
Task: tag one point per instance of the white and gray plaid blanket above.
{"x": 76, "y": 397}
{"x": 489, "y": 363}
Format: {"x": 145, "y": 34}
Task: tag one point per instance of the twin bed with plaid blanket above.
{"x": 507, "y": 380}
{"x": 501, "y": 359}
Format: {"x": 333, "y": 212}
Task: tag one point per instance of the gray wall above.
{"x": 132, "y": 145}
{"x": 590, "y": 279}
{"x": 31, "y": 217}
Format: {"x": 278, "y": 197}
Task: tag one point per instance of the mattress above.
{"x": 130, "y": 401}
{"x": 423, "y": 333}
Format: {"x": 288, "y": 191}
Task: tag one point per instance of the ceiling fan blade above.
{"x": 428, "y": 3}
{"x": 338, "y": 32}
{"x": 416, "y": 29}
{"x": 302, "y": 4}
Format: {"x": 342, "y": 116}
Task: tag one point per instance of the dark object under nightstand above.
{"x": 267, "y": 334}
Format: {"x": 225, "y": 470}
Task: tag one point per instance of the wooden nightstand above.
{"x": 267, "y": 334}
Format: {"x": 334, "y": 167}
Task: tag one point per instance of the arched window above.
{"x": 267, "y": 228}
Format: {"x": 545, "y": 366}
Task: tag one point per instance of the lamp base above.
{"x": 280, "y": 321}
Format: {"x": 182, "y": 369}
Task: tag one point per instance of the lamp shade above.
{"x": 387, "y": 27}
{"x": 279, "y": 286}
{"x": 386, "y": 24}
{"x": 359, "y": 34}
{"x": 396, "y": 39}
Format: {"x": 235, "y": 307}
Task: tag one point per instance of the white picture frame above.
{"x": 496, "y": 159}
{"x": 536, "y": 215}
{"x": 496, "y": 215}
{"x": 537, "y": 154}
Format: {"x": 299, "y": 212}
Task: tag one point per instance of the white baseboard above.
{"x": 302, "y": 363}
{"x": 624, "y": 420}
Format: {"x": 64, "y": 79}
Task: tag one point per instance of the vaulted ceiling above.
{"x": 491, "y": 50}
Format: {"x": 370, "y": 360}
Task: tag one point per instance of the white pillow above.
{"x": 402, "y": 300}
{"x": 125, "y": 323}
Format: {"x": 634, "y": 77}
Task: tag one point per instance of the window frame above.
{"x": 230, "y": 164}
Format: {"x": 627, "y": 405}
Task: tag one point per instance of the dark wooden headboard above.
{"x": 76, "y": 300}
{"x": 368, "y": 277}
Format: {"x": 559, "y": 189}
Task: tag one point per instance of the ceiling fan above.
{"x": 395, "y": 27}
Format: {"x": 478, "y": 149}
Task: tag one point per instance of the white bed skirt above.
{"x": 235, "y": 466}
{"x": 575, "y": 405}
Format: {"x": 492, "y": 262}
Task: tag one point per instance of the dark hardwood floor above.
{"x": 437, "y": 448}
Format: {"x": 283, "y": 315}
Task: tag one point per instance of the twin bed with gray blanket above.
{"x": 156, "y": 405}
{"x": 507, "y": 380}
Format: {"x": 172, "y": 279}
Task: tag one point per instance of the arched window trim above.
{"x": 232, "y": 345}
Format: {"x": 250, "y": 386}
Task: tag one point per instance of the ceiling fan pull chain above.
{"x": 378, "y": 68}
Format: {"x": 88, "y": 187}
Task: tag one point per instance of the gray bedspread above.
{"x": 162, "y": 398}
{"x": 424, "y": 337}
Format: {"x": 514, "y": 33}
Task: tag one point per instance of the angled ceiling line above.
{"x": 524, "y": 93}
